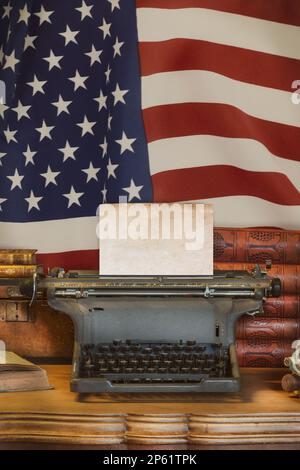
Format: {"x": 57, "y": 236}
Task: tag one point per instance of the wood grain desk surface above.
{"x": 262, "y": 413}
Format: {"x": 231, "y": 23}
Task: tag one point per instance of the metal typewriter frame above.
{"x": 218, "y": 307}
{"x": 177, "y": 303}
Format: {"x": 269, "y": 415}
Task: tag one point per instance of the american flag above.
{"x": 156, "y": 100}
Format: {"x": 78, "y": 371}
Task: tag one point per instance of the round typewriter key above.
{"x": 133, "y": 362}
{"x": 142, "y": 356}
{"x": 167, "y": 362}
{"x": 99, "y": 354}
{"x": 200, "y": 362}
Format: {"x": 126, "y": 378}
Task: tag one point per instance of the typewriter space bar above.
{"x": 147, "y": 384}
{"x": 104, "y": 385}
{"x": 159, "y": 379}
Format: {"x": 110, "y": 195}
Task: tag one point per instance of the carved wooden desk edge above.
{"x": 263, "y": 414}
{"x": 158, "y": 429}
{"x": 62, "y": 428}
{"x": 254, "y": 428}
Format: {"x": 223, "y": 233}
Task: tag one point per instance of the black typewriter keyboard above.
{"x": 153, "y": 362}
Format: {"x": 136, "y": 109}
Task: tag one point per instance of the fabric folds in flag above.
{"x": 153, "y": 100}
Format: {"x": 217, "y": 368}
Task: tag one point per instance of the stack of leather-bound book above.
{"x": 17, "y": 263}
{"x": 14, "y": 264}
{"x": 16, "y": 373}
{"x": 265, "y": 339}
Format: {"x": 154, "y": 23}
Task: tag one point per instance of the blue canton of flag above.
{"x": 72, "y": 134}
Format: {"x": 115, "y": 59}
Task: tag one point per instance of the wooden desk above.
{"x": 262, "y": 413}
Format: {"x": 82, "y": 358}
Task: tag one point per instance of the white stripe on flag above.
{"x": 53, "y": 236}
{"x": 248, "y": 211}
{"x": 80, "y": 233}
{"x": 219, "y": 27}
{"x": 206, "y": 150}
{"x": 197, "y": 86}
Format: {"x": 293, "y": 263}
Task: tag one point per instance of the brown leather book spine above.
{"x": 287, "y": 306}
{"x": 256, "y": 245}
{"x": 17, "y": 270}
{"x": 289, "y": 274}
{"x": 15, "y": 257}
{"x": 249, "y": 327}
{"x": 262, "y": 352}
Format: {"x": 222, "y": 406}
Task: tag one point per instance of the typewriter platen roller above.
{"x": 155, "y": 334}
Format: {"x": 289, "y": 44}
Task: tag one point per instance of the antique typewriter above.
{"x": 155, "y": 333}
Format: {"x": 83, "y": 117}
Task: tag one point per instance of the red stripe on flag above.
{"x": 281, "y": 11}
{"x": 162, "y": 122}
{"x": 84, "y": 259}
{"x": 240, "y": 64}
{"x": 222, "y": 180}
